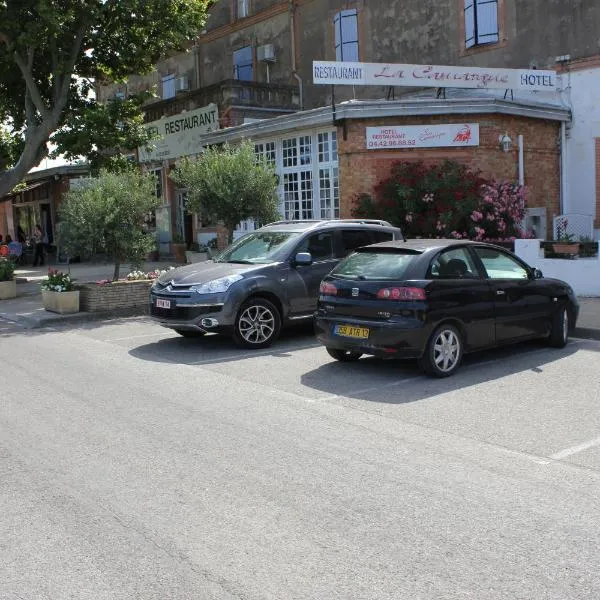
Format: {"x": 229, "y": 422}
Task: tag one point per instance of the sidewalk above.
{"x": 26, "y": 309}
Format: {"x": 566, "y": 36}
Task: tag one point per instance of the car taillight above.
{"x": 401, "y": 293}
{"x": 327, "y": 289}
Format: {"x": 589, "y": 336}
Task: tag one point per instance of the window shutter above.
{"x": 337, "y": 24}
{"x": 487, "y": 21}
{"x": 470, "y": 40}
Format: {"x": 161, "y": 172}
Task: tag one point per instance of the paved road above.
{"x": 136, "y": 464}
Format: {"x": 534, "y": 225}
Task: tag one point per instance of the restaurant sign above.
{"x": 180, "y": 135}
{"x": 423, "y": 136}
{"x": 350, "y": 73}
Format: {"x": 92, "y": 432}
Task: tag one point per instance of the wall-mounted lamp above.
{"x": 505, "y": 143}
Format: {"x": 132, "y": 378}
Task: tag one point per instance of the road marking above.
{"x": 274, "y": 351}
{"x": 133, "y": 337}
{"x": 576, "y": 449}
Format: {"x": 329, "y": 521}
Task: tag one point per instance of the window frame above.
{"x": 170, "y": 79}
{"x": 511, "y": 257}
{"x": 246, "y": 11}
{"x": 477, "y": 47}
{"x": 339, "y": 41}
{"x": 243, "y": 65}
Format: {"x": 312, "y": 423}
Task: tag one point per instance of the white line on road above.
{"x": 576, "y": 449}
{"x": 274, "y": 351}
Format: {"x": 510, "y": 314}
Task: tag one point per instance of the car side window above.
{"x": 320, "y": 245}
{"x": 382, "y": 236}
{"x": 453, "y": 264}
{"x": 500, "y": 265}
{"x": 354, "y": 238}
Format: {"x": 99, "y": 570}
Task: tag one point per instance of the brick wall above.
{"x": 361, "y": 169}
{"x": 113, "y": 297}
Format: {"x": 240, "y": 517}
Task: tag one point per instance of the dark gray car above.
{"x": 265, "y": 280}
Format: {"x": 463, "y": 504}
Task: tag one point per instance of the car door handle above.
{"x": 500, "y": 293}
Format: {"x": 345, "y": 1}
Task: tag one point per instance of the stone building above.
{"x": 254, "y": 61}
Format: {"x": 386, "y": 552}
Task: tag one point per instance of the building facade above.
{"x": 254, "y": 61}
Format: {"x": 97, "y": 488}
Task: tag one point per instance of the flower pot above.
{"x": 8, "y": 289}
{"x": 178, "y": 251}
{"x": 568, "y": 248}
{"x": 63, "y": 303}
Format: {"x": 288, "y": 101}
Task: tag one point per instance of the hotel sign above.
{"x": 350, "y": 73}
{"x": 423, "y": 136}
{"x": 180, "y": 135}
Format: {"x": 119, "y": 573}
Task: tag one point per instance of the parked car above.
{"x": 265, "y": 280}
{"x": 435, "y": 300}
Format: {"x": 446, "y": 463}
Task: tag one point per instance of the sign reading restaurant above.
{"x": 423, "y": 136}
{"x": 180, "y": 135}
{"x": 351, "y": 73}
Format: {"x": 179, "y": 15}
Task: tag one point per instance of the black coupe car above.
{"x": 434, "y": 300}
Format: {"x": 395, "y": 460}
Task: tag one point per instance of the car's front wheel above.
{"x": 257, "y": 324}
{"x": 343, "y": 355}
{"x": 443, "y": 353}
{"x": 559, "y": 333}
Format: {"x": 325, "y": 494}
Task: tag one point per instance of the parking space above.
{"x": 527, "y": 399}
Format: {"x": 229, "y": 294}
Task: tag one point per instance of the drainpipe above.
{"x": 564, "y": 184}
{"x": 293, "y": 44}
{"x": 521, "y": 161}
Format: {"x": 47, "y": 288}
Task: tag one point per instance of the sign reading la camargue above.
{"x": 423, "y": 136}
{"x": 347, "y": 73}
{"x": 180, "y": 135}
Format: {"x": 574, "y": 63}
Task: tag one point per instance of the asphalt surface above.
{"x": 137, "y": 464}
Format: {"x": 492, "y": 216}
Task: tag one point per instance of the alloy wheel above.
{"x": 446, "y": 350}
{"x": 256, "y": 324}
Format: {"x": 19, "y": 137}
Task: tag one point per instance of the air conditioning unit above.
{"x": 266, "y": 53}
{"x": 182, "y": 84}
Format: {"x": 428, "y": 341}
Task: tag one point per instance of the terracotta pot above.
{"x": 566, "y": 248}
{"x": 8, "y": 289}
{"x": 63, "y": 303}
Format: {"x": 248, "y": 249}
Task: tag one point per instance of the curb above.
{"x": 586, "y": 333}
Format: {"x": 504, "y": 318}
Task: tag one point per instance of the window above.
{"x": 345, "y": 24}
{"x": 320, "y": 246}
{"x": 266, "y": 151}
{"x": 158, "y": 189}
{"x": 481, "y": 22}
{"x": 242, "y": 8}
{"x": 168, "y": 86}
{"x": 298, "y": 195}
{"x": 329, "y": 187}
{"x": 501, "y": 266}
{"x": 354, "y": 238}
{"x": 453, "y": 264}
{"x": 243, "y": 68}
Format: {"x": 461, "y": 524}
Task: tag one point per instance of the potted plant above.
{"x": 8, "y": 284}
{"x": 178, "y": 248}
{"x": 565, "y": 243}
{"x": 59, "y": 294}
{"x": 196, "y": 253}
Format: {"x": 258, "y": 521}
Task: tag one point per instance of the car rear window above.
{"x": 376, "y": 266}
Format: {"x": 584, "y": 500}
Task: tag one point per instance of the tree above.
{"x": 229, "y": 184}
{"x": 107, "y": 216}
{"x": 52, "y": 53}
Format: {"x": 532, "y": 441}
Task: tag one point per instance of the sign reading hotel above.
{"x": 180, "y": 135}
{"x": 423, "y": 136}
{"x": 351, "y": 73}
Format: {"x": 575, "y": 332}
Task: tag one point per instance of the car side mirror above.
{"x": 537, "y": 274}
{"x": 303, "y": 259}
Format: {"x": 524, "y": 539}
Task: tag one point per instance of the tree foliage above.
{"x": 229, "y": 184}
{"x": 107, "y": 215}
{"x": 52, "y": 52}
{"x": 446, "y": 200}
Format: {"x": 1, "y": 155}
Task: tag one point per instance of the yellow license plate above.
{"x": 351, "y": 332}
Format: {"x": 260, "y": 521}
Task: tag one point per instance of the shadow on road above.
{"x": 386, "y": 377}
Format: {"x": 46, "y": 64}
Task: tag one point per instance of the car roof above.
{"x": 306, "y": 225}
{"x": 423, "y": 245}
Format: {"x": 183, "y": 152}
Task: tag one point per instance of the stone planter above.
{"x": 194, "y": 257}
{"x": 8, "y": 289}
{"x": 178, "y": 251}
{"x": 114, "y": 297}
{"x": 64, "y": 303}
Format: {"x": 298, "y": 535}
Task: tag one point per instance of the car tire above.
{"x": 343, "y": 355}
{"x": 257, "y": 325}
{"x": 188, "y": 333}
{"x": 443, "y": 353}
{"x": 559, "y": 332}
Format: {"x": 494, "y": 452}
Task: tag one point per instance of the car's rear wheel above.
{"x": 188, "y": 333}
{"x": 257, "y": 324}
{"x": 559, "y": 332}
{"x": 343, "y": 355}
{"x": 443, "y": 353}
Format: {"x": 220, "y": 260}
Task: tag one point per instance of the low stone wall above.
{"x": 113, "y": 297}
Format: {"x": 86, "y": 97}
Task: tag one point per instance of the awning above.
{"x": 28, "y": 187}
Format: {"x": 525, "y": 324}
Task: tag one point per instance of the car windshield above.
{"x": 376, "y": 266}
{"x": 259, "y": 247}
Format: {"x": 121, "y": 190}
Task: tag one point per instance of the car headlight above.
{"x": 216, "y": 286}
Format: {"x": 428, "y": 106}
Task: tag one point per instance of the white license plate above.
{"x": 160, "y": 303}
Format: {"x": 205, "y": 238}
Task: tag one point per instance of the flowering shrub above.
{"x": 142, "y": 275}
{"x": 57, "y": 281}
{"x": 446, "y": 200}
{"x": 7, "y": 269}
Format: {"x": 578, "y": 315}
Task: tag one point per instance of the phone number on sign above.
{"x": 391, "y": 143}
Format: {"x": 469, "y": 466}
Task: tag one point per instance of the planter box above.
{"x": 8, "y": 289}
{"x": 566, "y": 248}
{"x": 116, "y": 296}
{"x": 64, "y": 303}
{"x": 194, "y": 257}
